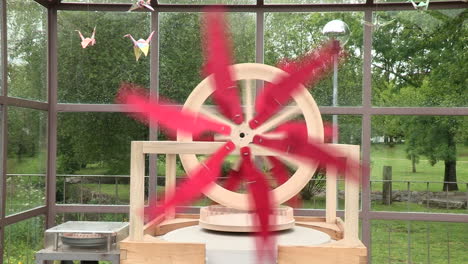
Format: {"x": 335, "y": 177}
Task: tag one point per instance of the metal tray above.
{"x": 84, "y": 240}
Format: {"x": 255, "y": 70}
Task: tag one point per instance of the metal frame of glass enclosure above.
{"x": 366, "y": 110}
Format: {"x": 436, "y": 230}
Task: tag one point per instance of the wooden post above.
{"x": 137, "y": 191}
{"x": 351, "y": 232}
{"x": 331, "y": 194}
{"x": 387, "y": 185}
{"x": 170, "y": 180}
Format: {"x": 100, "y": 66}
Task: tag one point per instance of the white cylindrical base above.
{"x": 236, "y": 248}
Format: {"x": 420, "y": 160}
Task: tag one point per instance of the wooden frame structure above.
{"x": 143, "y": 248}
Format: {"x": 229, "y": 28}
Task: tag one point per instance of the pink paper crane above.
{"x": 140, "y": 46}
{"x": 87, "y": 41}
{"x": 142, "y": 4}
{"x": 275, "y": 95}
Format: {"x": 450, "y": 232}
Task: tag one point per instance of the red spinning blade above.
{"x": 296, "y": 145}
{"x": 281, "y": 174}
{"x": 309, "y": 69}
{"x": 198, "y": 181}
{"x": 262, "y": 203}
{"x": 233, "y": 180}
{"x": 146, "y": 108}
{"x": 218, "y": 61}
{"x": 329, "y": 130}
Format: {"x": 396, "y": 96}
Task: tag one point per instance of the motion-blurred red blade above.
{"x": 281, "y": 174}
{"x": 145, "y": 108}
{"x": 262, "y": 203}
{"x": 329, "y": 131}
{"x": 309, "y": 69}
{"x": 218, "y": 62}
{"x": 198, "y": 181}
{"x": 233, "y": 180}
{"x": 308, "y": 150}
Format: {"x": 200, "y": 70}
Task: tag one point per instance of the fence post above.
{"x": 387, "y": 185}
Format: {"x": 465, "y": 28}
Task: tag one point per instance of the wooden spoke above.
{"x": 248, "y": 99}
{"x": 289, "y": 113}
{"x": 212, "y": 114}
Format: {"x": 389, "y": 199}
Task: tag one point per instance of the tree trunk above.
{"x": 413, "y": 163}
{"x": 450, "y": 176}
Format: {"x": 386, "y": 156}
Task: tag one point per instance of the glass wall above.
{"x": 27, "y": 48}
{"x": 420, "y": 58}
{"x": 399, "y": 106}
{"x": 93, "y": 157}
{"x": 93, "y": 74}
{"x": 26, "y": 159}
{"x": 22, "y": 240}
{"x": 291, "y": 35}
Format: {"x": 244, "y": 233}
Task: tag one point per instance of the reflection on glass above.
{"x": 26, "y": 159}
{"x": 423, "y": 161}
{"x": 27, "y": 50}
{"x": 93, "y": 74}
{"x": 419, "y": 58}
{"x": 290, "y": 35}
{"x": 418, "y": 242}
{"x": 93, "y": 157}
{"x": 23, "y": 239}
{"x": 181, "y": 55}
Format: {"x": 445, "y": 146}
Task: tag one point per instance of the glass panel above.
{"x": 98, "y": 1}
{"x": 93, "y": 157}
{"x": 65, "y": 217}
{"x": 418, "y": 58}
{"x": 181, "y": 56}
{"x": 405, "y": 1}
{"x": 2, "y": 7}
{"x": 208, "y": 2}
{"x": 290, "y": 35}
{"x": 93, "y": 74}
{"x": 418, "y": 242}
{"x": 22, "y": 240}
{"x": 341, "y": 2}
{"x": 27, "y": 50}
{"x": 422, "y": 152}
{"x": 26, "y": 160}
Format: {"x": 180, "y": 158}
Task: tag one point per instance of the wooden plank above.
{"x": 150, "y": 228}
{"x": 331, "y": 229}
{"x": 320, "y": 255}
{"x": 173, "y": 224}
{"x": 170, "y": 181}
{"x": 153, "y": 251}
{"x": 137, "y": 191}
{"x": 175, "y": 147}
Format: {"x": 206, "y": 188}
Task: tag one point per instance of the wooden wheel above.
{"x": 242, "y": 134}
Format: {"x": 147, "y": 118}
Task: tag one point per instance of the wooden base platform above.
{"x": 155, "y": 251}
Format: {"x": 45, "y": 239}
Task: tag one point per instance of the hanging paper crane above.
{"x": 85, "y": 42}
{"x": 140, "y": 46}
{"x": 294, "y": 141}
{"x": 141, "y": 4}
{"x": 423, "y": 5}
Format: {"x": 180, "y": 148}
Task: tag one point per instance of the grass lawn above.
{"x": 401, "y": 169}
{"x": 419, "y": 242}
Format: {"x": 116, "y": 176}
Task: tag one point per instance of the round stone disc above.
{"x": 235, "y": 248}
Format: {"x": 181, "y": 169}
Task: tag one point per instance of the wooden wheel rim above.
{"x": 310, "y": 111}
